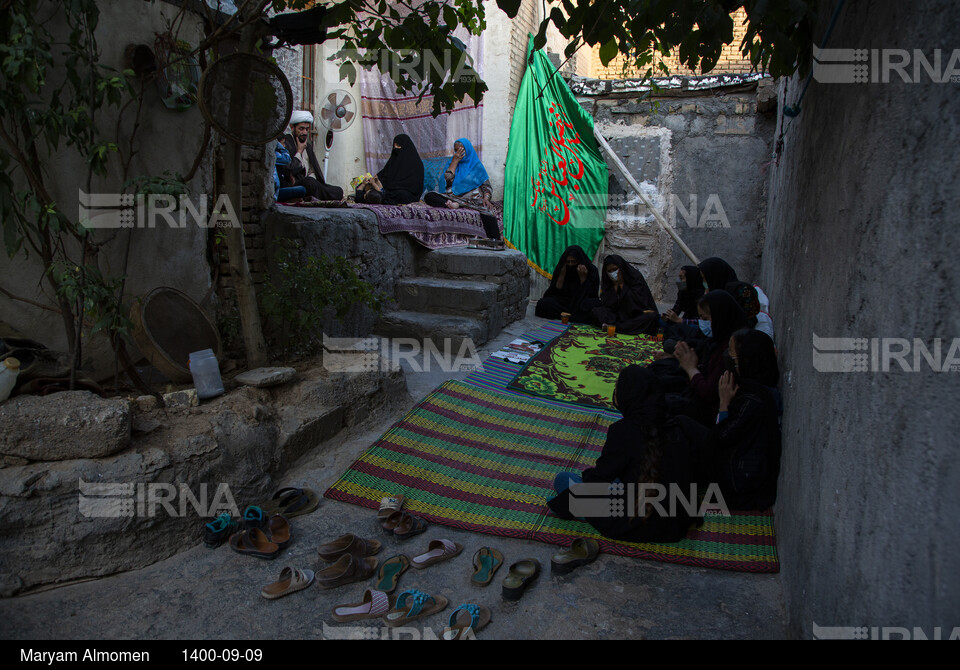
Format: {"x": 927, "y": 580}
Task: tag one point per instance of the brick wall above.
{"x": 731, "y": 61}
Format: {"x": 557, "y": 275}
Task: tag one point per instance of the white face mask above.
{"x": 613, "y": 275}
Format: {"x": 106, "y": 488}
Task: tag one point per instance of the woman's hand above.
{"x": 582, "y": 271}
{"x": 727, "y": 388}
{"x": 671, "y": 316}
{"x": 687, "y": 358}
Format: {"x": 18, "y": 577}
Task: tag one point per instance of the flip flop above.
{"x": 348, "y": 544}
{"x": 374, "y": 605}
{"x": 412, "y": 605}
{"x": 291, "y": 502}
{"x": 583, "y": 551}
{"x": 254, "y": 542}
{"x": 389, "y": 505}
{"x": 437, "y": 552}
{"x": 389, "y": 574}
{"x": 253, "y": 517}
{"x": 521, "y": 575}
{"x": 486, "y": 563}
{"x": 291, "y": 580}
{"x": 465, "y": 619}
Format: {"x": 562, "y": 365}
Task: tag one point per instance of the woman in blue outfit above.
{"x": 468, "y": 185}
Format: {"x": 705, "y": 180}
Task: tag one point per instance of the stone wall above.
{"x": 699, "y": 150}
{"x": 861, "y": 243}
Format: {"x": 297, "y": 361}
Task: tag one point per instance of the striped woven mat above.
{"x": 484, "y": 460}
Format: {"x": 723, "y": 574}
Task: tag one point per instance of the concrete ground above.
{"x": 215, "y": 594}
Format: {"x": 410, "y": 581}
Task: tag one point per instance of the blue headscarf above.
{"x": 470, "y": 171}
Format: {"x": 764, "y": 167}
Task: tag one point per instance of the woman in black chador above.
{"x": 625, "y": 299}
{"x": 400, "y": 182}
{"x": 573, "y": 288}
{"x": 643, "y": 449}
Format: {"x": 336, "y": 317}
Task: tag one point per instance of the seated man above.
{"x": 304, "y": 170}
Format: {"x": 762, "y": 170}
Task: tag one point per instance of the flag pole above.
{"x": 646, "y": 201}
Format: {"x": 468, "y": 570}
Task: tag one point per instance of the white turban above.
{"x": 301, "y": 116}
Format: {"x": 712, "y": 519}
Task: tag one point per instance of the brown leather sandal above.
{"x": 254, "y": 542}
{"x": 278, "y": 530}
{"x": 346, "y": 570}
{"x": 409, "y": 526}
{"x": 348, "y": 544}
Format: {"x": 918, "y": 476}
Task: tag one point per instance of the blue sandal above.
{"x": 423, "y": 604}
{"x": 459, "y": 627}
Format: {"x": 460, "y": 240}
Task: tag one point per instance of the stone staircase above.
{"x": 459, "y": 294}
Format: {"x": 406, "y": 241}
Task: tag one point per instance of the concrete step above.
{"x": 422, "y": 326}
{"x": 463, "y": 262}
{"x": 446, "y": 296}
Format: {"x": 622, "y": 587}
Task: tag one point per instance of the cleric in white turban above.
{"x": 301, "y": 116}
{"x": 304, "y": 169}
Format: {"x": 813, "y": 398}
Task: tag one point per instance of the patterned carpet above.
{"x": 484, "y": 460}
{"x": 581, "y": 366}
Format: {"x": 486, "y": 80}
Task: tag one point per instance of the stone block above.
{"x": 64, "y": 426}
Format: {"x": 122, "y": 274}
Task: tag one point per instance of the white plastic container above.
{"x": 8, "y": 376}
{"x": 206, "y": 374}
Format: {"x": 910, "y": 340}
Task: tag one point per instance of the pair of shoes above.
{"x": 267, "y": 545}
{"x": 291, "y": 580}
{"x": 348, "y": 544}
{"x": 403, "y": 525}
{"x": 218, "y": 531}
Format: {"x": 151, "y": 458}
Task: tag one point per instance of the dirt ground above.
{"x": 203, "y": 594}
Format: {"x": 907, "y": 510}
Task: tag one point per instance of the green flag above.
{"x": 556, "y": 179}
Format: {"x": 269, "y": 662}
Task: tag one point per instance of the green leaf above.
{"x": 609, "y": 51}
{"x": 511, "y": 7}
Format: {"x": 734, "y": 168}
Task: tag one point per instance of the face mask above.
{"x": 613, "y": 275}
{"x": 705, "y": 287}
{"x": 706, "y": 328}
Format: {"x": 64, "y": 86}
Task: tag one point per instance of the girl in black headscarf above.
{"x": 625, "y": 299}
{"x": 720, "y": 316}
{"x": 689, "y": 292}
{"x": 400, "y": 182}
{"x": 717, "y": 273}
{"x": 573, "y": 288}
{"x": 742, "y": 451}
{"x": 640, "y": 449}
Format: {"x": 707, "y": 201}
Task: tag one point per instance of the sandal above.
{"x": 218, "y": 531}
{"x": 412, "y": 605}
{"x": 409, "y": 526}
{"x": 582, "y": 551}
{"x": 460, "y": 627}
{"x": 374, "y": 605}
{"x": 278, "y": 530}
{"x": 486, "y": 563}
{"x": 388, "y": 506}
{"x": 389, "y": 573}
{"x": 253, "y": 542}
{"x": 291, "y": 581}
{"x": 348, "y": 544}
{"x": 291, "y": 502}
{"x": 437, "y": 552}
{"x": 521, "y": 575}
{"x": 346, "y": 570}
